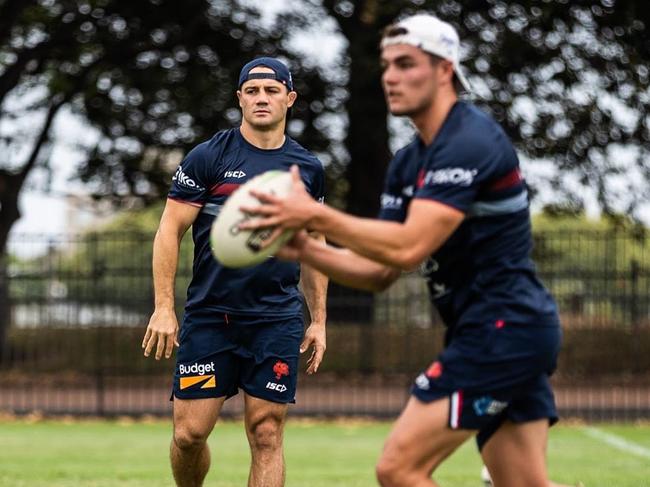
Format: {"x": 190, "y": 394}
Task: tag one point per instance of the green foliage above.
{"x": 113, "y": 263}
{"x": 611, "y": 245}
{"x": 596, "y": 269}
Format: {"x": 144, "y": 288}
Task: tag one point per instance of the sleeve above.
{"x": 316, "y": 184}
{"x": 393, "y": 200}
{"x": 454, "y": 175}
{"x": 190, "y": 183}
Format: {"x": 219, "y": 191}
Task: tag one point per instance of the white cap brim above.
{"x": 463, "y": 80}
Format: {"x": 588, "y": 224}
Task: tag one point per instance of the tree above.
{"x": 567, "y": 80}
{"x": 152, "y": 77}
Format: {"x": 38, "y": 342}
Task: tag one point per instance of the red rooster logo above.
{"x": 280, "y": 368}
{"x": 435, "y": 370}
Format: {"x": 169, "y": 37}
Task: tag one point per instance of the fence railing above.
{"x": 78, "y": 306}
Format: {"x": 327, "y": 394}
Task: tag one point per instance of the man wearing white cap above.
{"x": 455, "y": 205}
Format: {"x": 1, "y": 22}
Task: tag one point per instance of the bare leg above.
{"x": 264, "y": 429}
{"x": 194, "y": 420}
{"x": 516, "y": 455}
{"x": 418, "y": 443}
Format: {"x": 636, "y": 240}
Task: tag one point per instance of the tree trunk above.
{"x": 367, "y": 137}
{"x": 366, "y": 143}
{"x": 9, "y": 189}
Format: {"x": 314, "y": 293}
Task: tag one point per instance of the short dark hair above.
{"x": 394, "y": 30}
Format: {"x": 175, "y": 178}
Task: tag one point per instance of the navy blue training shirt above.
{"x": 483, "y": 273}
{"x": 206, "y": 177}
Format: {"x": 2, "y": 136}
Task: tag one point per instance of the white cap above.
{"x": 432, "y": 35}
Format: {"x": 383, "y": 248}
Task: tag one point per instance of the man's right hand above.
{"x": 162, "y": 332}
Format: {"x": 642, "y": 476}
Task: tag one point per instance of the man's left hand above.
{"x": 315, "y": 337}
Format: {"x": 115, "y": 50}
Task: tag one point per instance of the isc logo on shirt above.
{"x": 234, "y": 174}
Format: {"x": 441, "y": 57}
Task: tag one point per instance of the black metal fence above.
{"x": 79, "y": 306}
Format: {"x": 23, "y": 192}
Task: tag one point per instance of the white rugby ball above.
{"x": 234, "y": 247}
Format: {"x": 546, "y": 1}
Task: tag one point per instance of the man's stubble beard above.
{"x": 422, "y": 107}
{"x": 264, "y": 127}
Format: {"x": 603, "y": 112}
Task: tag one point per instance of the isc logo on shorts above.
{"x": 276, "y": 387}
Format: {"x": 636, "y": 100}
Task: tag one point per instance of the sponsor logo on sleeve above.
{"x": 391, "y": 202}
{"x": 456, "y": 176}
{"x": 184, "y": 180}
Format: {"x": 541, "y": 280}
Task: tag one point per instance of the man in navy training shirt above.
{"x": 454, "y": 204}
{"x": 242, "y": 328}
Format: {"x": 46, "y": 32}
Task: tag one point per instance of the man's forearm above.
{"x": 165, "y": 262}
{"x": 403, "y": 245}
{"x": 348, "y": 268}
{"x": 314, "y": 288}
{"x": 379, "y": 240}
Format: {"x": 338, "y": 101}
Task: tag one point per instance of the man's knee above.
{"x": 266, "y": 434}
{"x": 390, "y": 474}
{"x": 189, "y": 437}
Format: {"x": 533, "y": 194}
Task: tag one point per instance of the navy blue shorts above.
{"x": 492, "y": 373}
{"x": 219, "y": 356}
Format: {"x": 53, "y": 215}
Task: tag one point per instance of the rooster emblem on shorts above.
{"x": 280, "y": 368}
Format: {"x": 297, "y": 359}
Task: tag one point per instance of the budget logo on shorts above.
{"x": 201, "y": 376}
{"x": 280, "y": 368}
{"x": 487, "y": 405}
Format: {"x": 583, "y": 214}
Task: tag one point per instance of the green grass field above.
{"x": 319, "y": 454}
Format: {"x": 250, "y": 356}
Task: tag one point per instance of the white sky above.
{"x": 54, "y": 212}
